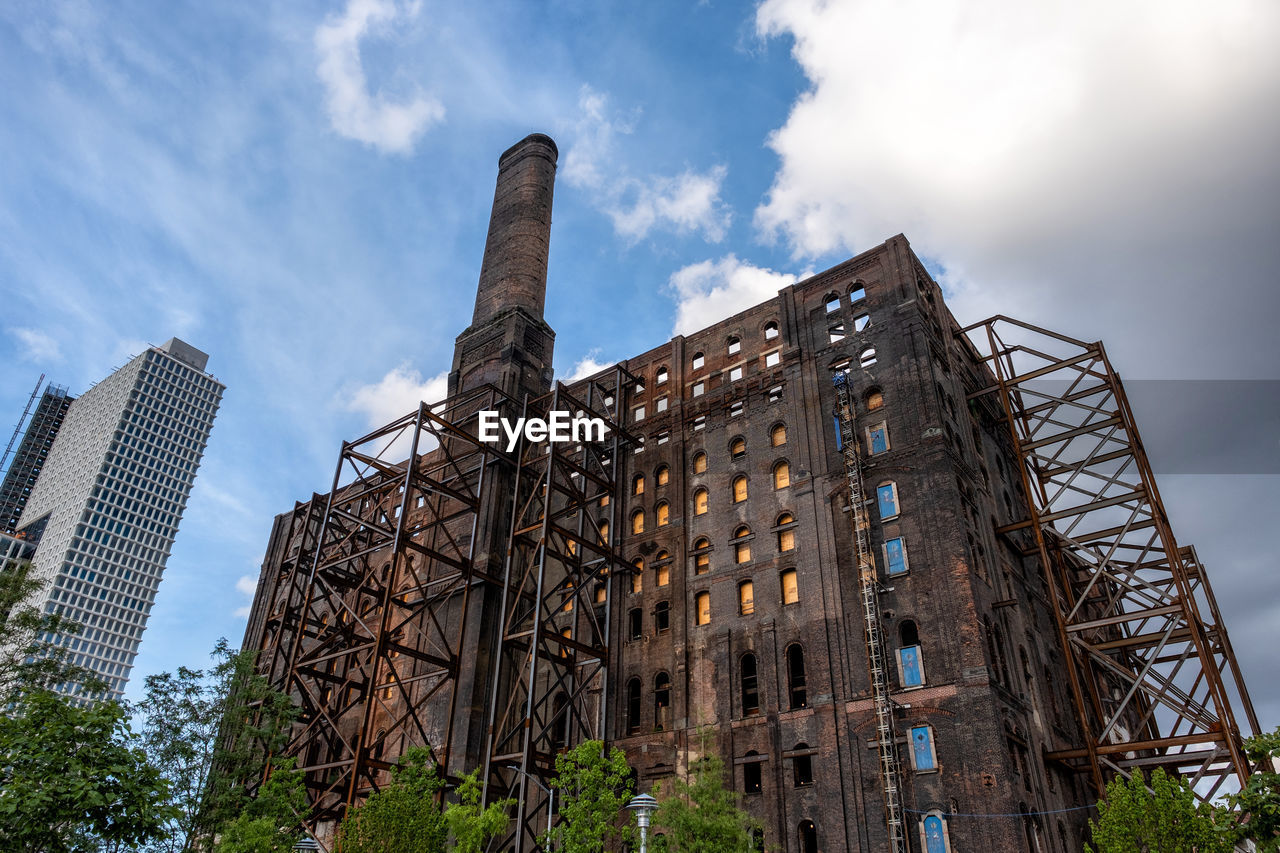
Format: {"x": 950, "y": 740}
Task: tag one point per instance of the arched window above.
{"x": 856, "y": 293}
{"x": 738, "y": 448}
{"x": 867, "y": 357}
{"x": 742, "y": 544}
{"x": 786, "y": 533}
{"x": 875, "y": 399}
{"x": 799, "y": 697}
{"x": 663, "y": 475}
{"x": 701, "y": 556}
{"x": 604, "y": 531}
{"x": 770, "y": 330}
{"x": 635, "y": 629}
{"x": 778, "y": 435}
{"x": 832, "y": 301}
{"x": 757, "y": 836}
{"x": 751, "y": 773}
{"x": 750, "y": 686}
{"x": 808, "y": 837}
{"x": 662, "y": 572}
{"x": 637, "y": 485}
{"x": 735, "y": 345}
{"x": 631, "y": 719}
{"x": 702, "y": 608}
{"x": 746, "y": 598}
{"x": 559, "y": 721}
{"x": 637, "y": 576}
{"x": 790, "y": 587}
{"x": 661, "y": 376}
{"x": 781, "y": 475}
{"x": 802, "y": 766}
{"x": 739, "y": 488}
{"x": 662, "y": 513}
{"x": 662, "y": 617}
{"x": 700, "y": 501}
{"x": 637, "y": 521}
{"x": 661, "y": 702}
{"x": 934, "y": 828}
{"x": 698, "y": 360}
{"x": 699, "y": 463}
{"x": 910, "y": 661}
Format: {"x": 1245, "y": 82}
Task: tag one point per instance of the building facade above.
{"x": 106, "y": 508}
{"x": 31, "y": 454}
{"x": 811, "y": 537}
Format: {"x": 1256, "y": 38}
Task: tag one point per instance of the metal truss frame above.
{"x": 1152, "y": 675}
{"x": 550, "y": 688}
{"x": 369, "y": 607}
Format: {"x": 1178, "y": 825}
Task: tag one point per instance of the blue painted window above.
{"x": 922, "y": 748}
{"x": 887, "y": 498}
{"x": 909, "y": 663}
{"x": 934, "y": 840}
{"x": 895, "y": 556}
{"x": 879, "y": 439}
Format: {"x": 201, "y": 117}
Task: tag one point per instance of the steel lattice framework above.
{"x": 1152, "y": 674}
{"x": 553, "y": 649}
{"x": 383, "y": 602}
{"x": 369, "y": 610}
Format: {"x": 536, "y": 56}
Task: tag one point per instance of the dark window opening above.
{"x": 632, "y": 721}
{"x": 634, "y": 623}
{"x": 796, "y": 677}
{"x": 750, "y": 686}
{"x": 808, "y": 837}
{"x": 661, "y": 702}
{"x": 662, "y": 617}
{"x": 802, "y": 768}
{"x": 751, "y": 776}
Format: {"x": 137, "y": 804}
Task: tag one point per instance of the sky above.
{"x": 302, "y": 190}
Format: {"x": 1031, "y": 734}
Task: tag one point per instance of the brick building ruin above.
{"x": 916, "y": 579}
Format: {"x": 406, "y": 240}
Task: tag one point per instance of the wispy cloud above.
{"x": 687, "y": 203}
{"x": 369, "y": 117}
{"x": 246, "y": 585}
{"x": 588, "y": 366}
{"x": 712, "y": 290}
{"x": 35, "y": 346}
{"x": 395, "y": 394}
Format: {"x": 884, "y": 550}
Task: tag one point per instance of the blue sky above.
{"x": 302, "y": 191}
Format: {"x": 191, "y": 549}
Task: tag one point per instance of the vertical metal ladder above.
{"x": 886, "y": 737}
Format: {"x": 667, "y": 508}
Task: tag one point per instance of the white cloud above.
{"x": 34, "y": 345}
{"x": 396, "y": 394}
{"x": 354, "y": 111}
{"x": 246, "y": 584}
{"x": 687, "y": 203}
{"x": 709, "y": 291}
{"x": 588, "y": 366}
{"x": 1060, "y": 153}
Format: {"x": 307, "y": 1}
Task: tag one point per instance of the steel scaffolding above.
{"x": 1152, "y": 675}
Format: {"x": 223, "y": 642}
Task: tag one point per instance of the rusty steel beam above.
{"x": 1144, "y": 643}
{"x": 550, "y": 688}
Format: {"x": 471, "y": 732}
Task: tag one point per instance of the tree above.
{"x": 29, "y": 660}
{"x": 68, "y": 774}
{"x": 211, "y": 732}
{"x": 702, "y": 816}
{"x": 1258, "y": 803}
{"x": 471, "y": 826}
{"x": 403, "y": 817}
{"x": 1167, "y": 818}
{"x": 271, "y": 821}
{"x": 593, "y": 790}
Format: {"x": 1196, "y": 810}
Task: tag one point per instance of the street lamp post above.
{"x": 644, "y": 806}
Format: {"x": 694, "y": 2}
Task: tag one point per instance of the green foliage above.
{"x": 271, "y": 821}
{"x": 1259, "y": 802}
{"x": 28, "y": 661}
{"x": 210, "y": 732}
{"x": 68, "y": 774}
{"x": 701, "y": 816}
{"x": 1165, "y": 819}
{"x": 471, "y": 826}
{"x": 592, "y": 790}
{"x": 404, "y": 816}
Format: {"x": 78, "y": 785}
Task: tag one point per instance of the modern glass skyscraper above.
{"x": 106, "y": 507}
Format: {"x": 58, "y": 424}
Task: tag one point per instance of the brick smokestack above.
{"x": 514, "y": 271}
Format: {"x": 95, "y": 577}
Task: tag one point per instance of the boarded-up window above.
{"x": 790, "y": 587}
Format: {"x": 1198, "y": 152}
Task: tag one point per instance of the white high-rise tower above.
{"x": 106, "y": 506}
